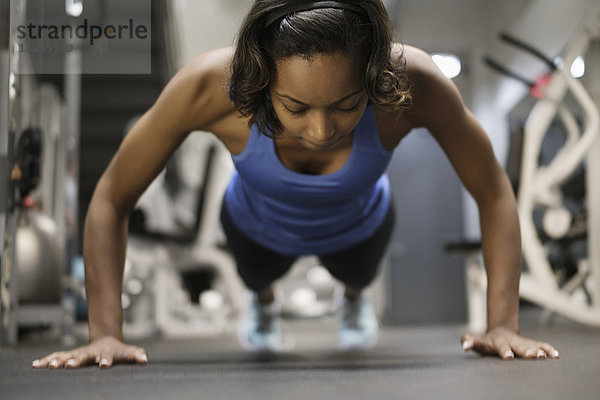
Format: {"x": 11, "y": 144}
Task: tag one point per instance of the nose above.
{"x": 321, "y": 127}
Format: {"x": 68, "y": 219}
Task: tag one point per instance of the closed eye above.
{"x": 302, "y": 112}
{"x": 295, "y": 113}
{"x": 349, "y": 110}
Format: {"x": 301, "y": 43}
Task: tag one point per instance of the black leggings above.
{"x": 355, "y": 266}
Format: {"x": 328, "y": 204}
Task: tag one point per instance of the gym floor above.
{"x": 423, "y": 362}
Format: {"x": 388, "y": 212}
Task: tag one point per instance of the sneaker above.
{"x": 358, "y": 328}
{"x": 261, "y": 328}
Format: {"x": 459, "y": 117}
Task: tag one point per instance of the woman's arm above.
{"x": 190, "y": 101}
{"x": 194, "y": 99}
{"x": 439, "y": 108}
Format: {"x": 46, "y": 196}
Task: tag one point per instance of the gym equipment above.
{"x": 34, "y": 235}
{"x": 5, "y": 151}
{"x": 180, "y": 280}
{"x": 24, "y": 151}
{"x": 43, "y": 147}
{"x": 26, "y": 171}
{"x": 38, "y": 257}
{"x": 563, "y": 227}
{"x": 41, "y": 255}
{"x": 554, "y": 227}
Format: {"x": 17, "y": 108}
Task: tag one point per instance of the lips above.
{"x": 322, "y": 144}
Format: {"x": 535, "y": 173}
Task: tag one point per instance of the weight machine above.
{"x": 541, "y": 189}
{"x": 38, "y": 186}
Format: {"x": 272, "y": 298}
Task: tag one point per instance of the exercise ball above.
{"x": 38, "y": 258}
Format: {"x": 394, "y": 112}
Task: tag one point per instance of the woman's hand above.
{"x": 507, "y": 344}
{"x": 104, "y": 351}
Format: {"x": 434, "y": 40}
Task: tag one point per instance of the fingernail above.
{"x": 467, "y": 344}
{"x": 529, "y": 353}
{"x": 54, "y": 363}
{"x": 541, "y": 354}
{"x": 509, "y": 354}
{"x": 556, "y": 353}
{"x": 71, "y": 362}
{"x": 104, "y": 362}
{"x": 144, "y": 358}
{"x": 35, "y": 363}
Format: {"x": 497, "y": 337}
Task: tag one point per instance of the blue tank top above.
{"x": 300, "y": 214}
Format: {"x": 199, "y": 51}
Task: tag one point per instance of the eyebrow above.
{"x": 335, "y": 102}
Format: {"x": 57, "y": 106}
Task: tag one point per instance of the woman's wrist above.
{"x": 514, "y": 328}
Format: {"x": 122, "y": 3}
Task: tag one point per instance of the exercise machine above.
{"x": 547, "y": 215}
{"x": 40, "y": 192}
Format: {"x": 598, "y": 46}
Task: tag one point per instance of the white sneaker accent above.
{"x": 358, "y": 328}
{"x": 261, "y": 328}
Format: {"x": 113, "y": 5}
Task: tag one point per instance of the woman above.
{"x": 311, "y": 103}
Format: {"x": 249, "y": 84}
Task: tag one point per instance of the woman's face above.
{"x": 318, "y": 101}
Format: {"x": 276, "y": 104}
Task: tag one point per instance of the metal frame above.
{"x": 4, "y": 148}
{"x": 540, "y": 186}
{"x": 65, "y": 146}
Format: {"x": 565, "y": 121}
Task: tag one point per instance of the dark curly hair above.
{"x": 306, "y": 33}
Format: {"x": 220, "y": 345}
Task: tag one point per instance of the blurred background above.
{"x": 63, "y": 118}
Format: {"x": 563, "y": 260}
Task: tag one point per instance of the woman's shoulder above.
{"x": 196, "y": 96}
{"x": 212, "y": 110}
{"x": 214, "y": 63}
{"x": 204, "y": 78}
{"x": 425, "y": 78}
{"x": 420, "y": 70}
{"x": 415, "y": 62}
{"x": 394, "y": 125}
